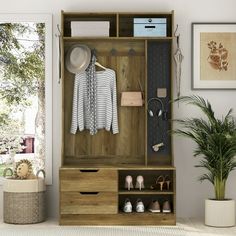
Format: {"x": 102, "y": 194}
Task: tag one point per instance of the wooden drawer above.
{"x": 97, "y": 180}
{"x": 89, "y": 203}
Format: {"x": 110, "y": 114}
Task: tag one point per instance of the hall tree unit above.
{"x": 93, "y": 168}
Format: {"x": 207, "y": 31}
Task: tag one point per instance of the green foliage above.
{"x": 11, "y": 136}
{"x": 23, "y": 67}
{"x": 216, "y": 142}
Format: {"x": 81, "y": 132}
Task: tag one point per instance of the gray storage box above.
{"x": 150, "y": 27}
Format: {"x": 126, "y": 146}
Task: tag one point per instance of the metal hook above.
{"x": 132, "y": 52}
{"x": 177, "y": 36}
{"x": 177, "y": 26}
{"x": 59, "y": 32}
{"x": 113, "y": 52}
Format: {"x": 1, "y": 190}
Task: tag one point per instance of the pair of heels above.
{"x": 161, "y": 183}
{"x": 139, "y": 182}
{"x": 128, "y": 208}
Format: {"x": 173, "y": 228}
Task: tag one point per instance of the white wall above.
{"x": 190, "y": 193}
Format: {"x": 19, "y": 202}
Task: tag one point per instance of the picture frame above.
{"x": 213, "y": 56}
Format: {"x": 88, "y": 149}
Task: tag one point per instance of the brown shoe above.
{"x": 166, "y": 208}
{"x": 154, "y": 207}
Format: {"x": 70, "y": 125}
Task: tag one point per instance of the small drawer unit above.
{"x": 150, "y": 27}
{"x": 89, "y": 203}
{"x": 88, "y": 191}
{"x": 88, "y": 180}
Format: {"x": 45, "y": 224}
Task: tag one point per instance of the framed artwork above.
{"x": 213, "y": 56}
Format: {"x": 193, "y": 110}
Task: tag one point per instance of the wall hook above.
{"x": 132, "y": 52}
{"x": 113, "y": 52}
{"x": 58, "y": 34}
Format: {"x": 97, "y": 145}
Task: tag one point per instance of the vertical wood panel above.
{"x": 130, "y": 142}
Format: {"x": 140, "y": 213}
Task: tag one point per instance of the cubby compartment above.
{"x": 146, "y": 199}
{"x": 126, "y": 22}
{"x": 69, "y": 17}
{"x": 152, "y": 181}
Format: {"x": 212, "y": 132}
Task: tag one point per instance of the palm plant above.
{"x": 216, "y": 142}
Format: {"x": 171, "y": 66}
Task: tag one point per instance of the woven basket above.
{"x": 24, "y": 201}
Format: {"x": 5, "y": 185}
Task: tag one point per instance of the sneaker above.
{"x": 139, "y": 206}
{"x": 154, "y": 206}
{"x": 127, "y": 208}
{"x": 166, "y": 207}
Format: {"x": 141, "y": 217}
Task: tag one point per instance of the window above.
{"x": 26, "y": 91}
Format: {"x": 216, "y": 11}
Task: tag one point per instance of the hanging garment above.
{"x": 106, "y": 105}
{"x": 91, "y": 85}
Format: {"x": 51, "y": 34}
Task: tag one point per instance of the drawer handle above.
{"x": 89, "y": 193}
{"x": 88, "y": 170}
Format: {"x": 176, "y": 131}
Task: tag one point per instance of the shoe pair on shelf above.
{"x": 139, "y": 182}
{"x": 128, "y": 208}
{"x": 155, "y": 207}
{"x": 162, "y": 183}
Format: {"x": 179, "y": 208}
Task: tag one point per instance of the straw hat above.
{"x": 78, "y": 58}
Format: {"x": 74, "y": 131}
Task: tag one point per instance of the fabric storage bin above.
{"x": 90, "y": 28}
{"x": 24, "y": 201}
{"x": 150, "y": 27}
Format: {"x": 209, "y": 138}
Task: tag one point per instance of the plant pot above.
{"x": 220, "y": 213}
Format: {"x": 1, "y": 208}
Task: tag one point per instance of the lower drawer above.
{"x": 89, "y": 203}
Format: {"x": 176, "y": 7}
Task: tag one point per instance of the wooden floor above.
{"x": 191, "y": 227}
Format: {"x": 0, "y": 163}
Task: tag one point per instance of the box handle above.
{"x": 94, "y": 170}
{"x": 89, "y": 193}
{"x": 150, "y": 26}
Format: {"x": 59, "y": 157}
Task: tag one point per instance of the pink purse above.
{"x": 132, "y": 98}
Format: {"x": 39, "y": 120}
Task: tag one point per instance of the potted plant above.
{"x": 216, "y": 148}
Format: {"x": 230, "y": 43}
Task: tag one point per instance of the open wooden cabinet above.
{"x": 93, "y": 168}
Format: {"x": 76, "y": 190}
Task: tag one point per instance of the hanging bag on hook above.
{"x": 132, "y": 98}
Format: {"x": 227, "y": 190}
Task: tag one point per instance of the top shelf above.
{"x": 121, "y": 24}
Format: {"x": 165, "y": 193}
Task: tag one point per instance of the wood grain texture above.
{"x": 93, "y": 198}
{"x": 119, "y": 219}
{"x": 130, "y": 142}
{"x": 116, "y": 167}
{"x": 102, "y": 180}
{"x": 87, "y": 203}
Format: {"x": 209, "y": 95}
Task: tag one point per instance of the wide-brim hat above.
{"x": 77, "y": 58}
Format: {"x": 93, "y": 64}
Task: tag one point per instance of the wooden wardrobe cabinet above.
{"x": 93, "y": 168}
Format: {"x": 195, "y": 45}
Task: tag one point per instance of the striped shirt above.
{"x": 106, "y": 102}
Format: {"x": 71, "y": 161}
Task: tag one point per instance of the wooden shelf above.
{"x": 145, "y": 192}
{"x": 69, "y": 39}
{"x": 118, "y": 167}
{"x": 147, "y": 213}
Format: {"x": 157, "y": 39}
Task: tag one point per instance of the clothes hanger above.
{"x": 93, "y": 51}
{"x": 99, "y": 65}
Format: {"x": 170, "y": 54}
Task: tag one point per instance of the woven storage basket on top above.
{"x": 24, "y": 201}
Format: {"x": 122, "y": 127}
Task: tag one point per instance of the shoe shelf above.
{"x": 145, "y": 192}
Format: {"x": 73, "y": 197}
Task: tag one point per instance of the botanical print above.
{"x": 217, "y": 56}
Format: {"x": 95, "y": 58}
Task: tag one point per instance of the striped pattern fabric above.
{"x": 106, "y": 107}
